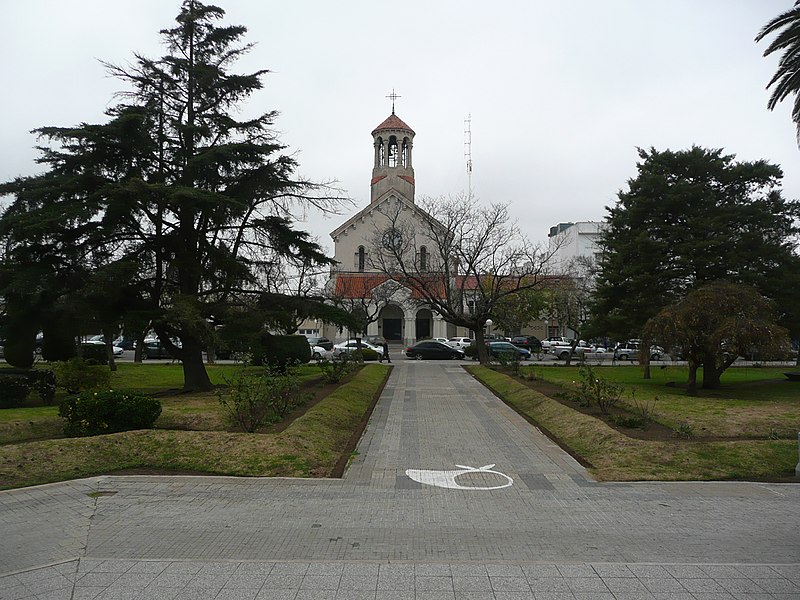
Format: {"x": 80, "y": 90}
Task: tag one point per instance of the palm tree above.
{"x": 786, "y": 81}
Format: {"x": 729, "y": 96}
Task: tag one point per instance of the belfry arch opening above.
{"x": 393, "y": 151}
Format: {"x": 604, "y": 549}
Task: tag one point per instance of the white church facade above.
{"x": 395, "y": 312}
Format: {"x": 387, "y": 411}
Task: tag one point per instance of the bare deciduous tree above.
{"x": 459, "y": 257}
{"x": 364, "y": 296}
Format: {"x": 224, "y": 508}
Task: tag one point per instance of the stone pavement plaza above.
{"x": 540, "y": 528}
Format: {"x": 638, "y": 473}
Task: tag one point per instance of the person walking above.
{"x": 385, "y": 352}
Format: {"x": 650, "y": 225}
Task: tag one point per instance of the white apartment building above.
{"x": 571, "y": 241}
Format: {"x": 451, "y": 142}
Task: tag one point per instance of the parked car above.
{"x": 460, "y": 342}
{"x": 154, "y": 349}
{"x": 442, "y": 340}
{"x": 498, "y": 349}
{"x": 375, "y": 340}
{"x": 320, "y": 341}
{"x": 125, "y": 342}
{"x": 555, "y": 340}
{"x": 529, "y": 342}
{"x": 319, "y": 353}
{"x": 630, "y": 351}
{"x": 564, "y": 351}
{"x": 99, "y": 340}
{"x": 351, "y": 346}
{"x": 496, "y": 337}
{"x": 430, "y": 349}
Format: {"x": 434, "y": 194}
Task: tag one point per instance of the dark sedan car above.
{"x": 429, "y": 349}
{"x": 497, "y": 349}
{"x": 154, "y": 349}
{"x": 529, "y": 342}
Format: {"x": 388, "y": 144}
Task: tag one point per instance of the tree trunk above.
{"x": 480, "y": 345}
{"x": 195, "y": 376}
{"x": 711, "y": 373}
{"x": 645, "y": 358}
{"x": 112, "y": 363}
{"x": 691, "y": 384}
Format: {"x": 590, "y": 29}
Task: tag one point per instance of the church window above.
{"x": 362, "y": 258}
{"x": 381, "y": 153}
{"x": 404, "y": 155}
{"x": 393, "y": 151}
{"x": 392, "y": 240}
{"x": 423, "y": 258}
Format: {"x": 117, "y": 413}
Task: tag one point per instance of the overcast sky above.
{"x": 560, "y": 93}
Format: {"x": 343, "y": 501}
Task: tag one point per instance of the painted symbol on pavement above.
{"x": 447, "y": 479}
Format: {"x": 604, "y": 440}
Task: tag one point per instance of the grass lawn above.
{"x": 190, "y": 434}
{"x": 182, "y": 411}
{"x": 752, "y": 402}
{"x": 751, "y": 408}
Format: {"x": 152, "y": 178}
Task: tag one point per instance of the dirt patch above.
{"x": 316, "y": 390}
{"x": 653, "y": 432}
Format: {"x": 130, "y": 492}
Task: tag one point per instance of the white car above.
{"x": 98, "y": 341}
{"x": 319, "y": 353}
{"x": 555, "y": 341}
{"x": 460, "y": 342}
{"x": 442, "y": 340}
{"x": 351, "y": 346}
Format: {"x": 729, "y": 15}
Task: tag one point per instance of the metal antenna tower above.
{"x": 468, "y": 152}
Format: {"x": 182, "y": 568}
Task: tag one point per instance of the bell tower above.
{"x": 393, "y": 170}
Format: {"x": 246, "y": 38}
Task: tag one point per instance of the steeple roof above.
{"x": 392, "y": 122}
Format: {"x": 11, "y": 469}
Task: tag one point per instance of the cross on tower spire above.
{"x": 394, "y": 97}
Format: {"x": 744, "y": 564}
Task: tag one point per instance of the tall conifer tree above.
{"x": 198, "y": 200}
{"x": 690, "y": 218}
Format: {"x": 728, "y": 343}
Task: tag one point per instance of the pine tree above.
{"x": 690, "y": 218}
{"x": 198, "y": 200}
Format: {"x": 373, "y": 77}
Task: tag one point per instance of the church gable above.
{"x": 357, "y": 237}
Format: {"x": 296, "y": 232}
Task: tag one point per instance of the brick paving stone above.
{"x": 376, "y": 533}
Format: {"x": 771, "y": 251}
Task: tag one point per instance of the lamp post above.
{"x": 546, "y": 328}
{"x": 489, "y": 324}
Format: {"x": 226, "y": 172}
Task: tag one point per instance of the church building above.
{"x": 394, "y": 311}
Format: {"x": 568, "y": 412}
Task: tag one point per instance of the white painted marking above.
{"x": 447, "y": 479}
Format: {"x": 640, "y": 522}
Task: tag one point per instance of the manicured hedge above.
{"x": 95, "y": 413}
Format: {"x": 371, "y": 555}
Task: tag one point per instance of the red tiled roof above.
{"x": 357, "y": 285}
{"x": 407, "y": 178}
{"x": 392, "y": 122}
{"x": 377, "y": 179}
{"x": 360, "y": 285}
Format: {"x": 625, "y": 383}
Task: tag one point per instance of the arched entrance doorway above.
{"x": 424, "y": 324}
{"x": 391, "y": 322}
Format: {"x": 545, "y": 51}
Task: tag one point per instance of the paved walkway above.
{"x": 379, "y": 533}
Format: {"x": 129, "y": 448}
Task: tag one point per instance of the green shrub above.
{"x": 95, "y": 413}
{"x": 471, "y": 351}
{"x": 256, "y": 398}
{"x": 592, "y": 389}
{"x": 13, "y": 390}
{"x": 94, "y": 353}
{"x": 20, "y": 344}
{"x": 333, "y": 371}
{"x": 365, "y": 355}
{"x": 510, "y": 361}
{"x": 78, "y": 375}
{"x": 44, "y": 382}
{"x": 280, "y": 351}
{"x": 12, "y": 382}
{"x": 59, "y": 331}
